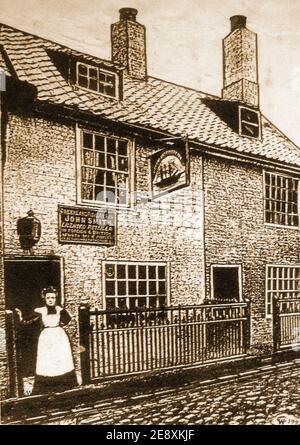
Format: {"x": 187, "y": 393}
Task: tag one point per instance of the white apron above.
{"x": 54, "y": 355}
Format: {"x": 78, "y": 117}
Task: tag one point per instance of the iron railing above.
{"x": 286, "y": 323}
{"x": 123, "y": 342}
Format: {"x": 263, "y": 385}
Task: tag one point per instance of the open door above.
{"x": 24, "y": 281}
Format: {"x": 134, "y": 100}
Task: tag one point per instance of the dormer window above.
{"x": 96, "y": 79}
{"x": 249, "y": 122}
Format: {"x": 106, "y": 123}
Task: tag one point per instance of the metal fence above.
{"x": 286, "y": 323}
{"x": 131, "y": 341}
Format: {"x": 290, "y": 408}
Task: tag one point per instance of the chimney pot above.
{"x": 238, "y": 21}
{"x": 128, "y": 14}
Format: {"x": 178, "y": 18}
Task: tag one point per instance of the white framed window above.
{"x": 281, "y": 200}
{"x": 131, "y": 285}
{"x": 281, "y": 282}
{"x": 249, "y": 122}
{"x": 96, "y": 79}
{"x": 226, "y": 283}
{"x": 104, "y": 166}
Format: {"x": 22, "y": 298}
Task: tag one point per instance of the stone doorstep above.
{"x": 137, "y": 387}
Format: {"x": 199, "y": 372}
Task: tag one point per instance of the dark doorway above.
{"x": 24, "y": 281}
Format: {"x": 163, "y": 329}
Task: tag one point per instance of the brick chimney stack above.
{"x": 128, "y": 39}
{"x": 240, "y": 64}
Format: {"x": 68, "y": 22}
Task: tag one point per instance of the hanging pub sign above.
{"x": 77, "y": 225}
{"x": 170, "y": 168}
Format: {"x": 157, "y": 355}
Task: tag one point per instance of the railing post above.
{"x": 11, "y": 354}
{"x": 276, "y": 324}
{"x": 84, "y": 341}
{"x": 247, "y": 328}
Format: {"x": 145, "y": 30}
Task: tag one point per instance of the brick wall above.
{"x": 40, "y": 173}
{"x": 129, "y": 47}
{"x": 240, "y": 67}
{"x": 235, "y": 234}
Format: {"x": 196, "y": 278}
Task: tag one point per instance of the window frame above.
{"x": 131, "y": 169}
{"x": 284, "y": 175}
{"x": 259, "y": 126}
{"x": 240, "y": 279}
{"x": 269, "y": 302}
{"x": 166, "y": 264}
{"x": 100, "y": 70}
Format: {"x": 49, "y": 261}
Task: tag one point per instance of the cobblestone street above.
{"x": 254, "y": 397}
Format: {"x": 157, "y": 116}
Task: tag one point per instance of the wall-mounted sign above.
{"x": 78, "y": 225}
{"x": 170, "y": 169}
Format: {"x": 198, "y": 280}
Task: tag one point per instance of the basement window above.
{"x": 97, "y": 80}
{"x": 249, "y": 122}
{"x": 226, "y": 283}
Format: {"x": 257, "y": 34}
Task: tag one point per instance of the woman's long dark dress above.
{"x": 55, "y": 370}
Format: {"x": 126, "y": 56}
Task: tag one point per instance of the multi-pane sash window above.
{"x": 96, "y": 79}
{"x": 283, "y": 282}
{"x": 281, "y": 200}
{"x": 104, "y": 169}
{"x": 135, "y": 285}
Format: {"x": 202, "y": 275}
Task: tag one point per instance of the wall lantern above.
{"x": 29, "y": 231}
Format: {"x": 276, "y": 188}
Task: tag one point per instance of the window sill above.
{"x": 281, "y": 226}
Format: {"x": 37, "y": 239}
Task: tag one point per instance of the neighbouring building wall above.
{"x": 235, "y": 234}
{"x": 3, "y": 349}
{"x": 40, "y": 174}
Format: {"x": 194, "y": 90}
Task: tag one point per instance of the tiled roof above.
{"x": 155, "y": 104}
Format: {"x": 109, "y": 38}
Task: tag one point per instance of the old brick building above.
{"x": 203, "y": 189}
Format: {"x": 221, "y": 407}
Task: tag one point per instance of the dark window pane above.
{"x": 82, "y": 69}
{"x": 122, "y": 148}
{"x": 122, "y": 303}
{"x": 83, "y": 82}
{"x": 87, "y": 140}
{"x": 111, "y": 145}
{"x": 142, "y": 288}
{"x": 110, "y": 288}
{"x": 162, "y": 287}
{"x": 132, "y": 271}
{"x": 121, "y": 287}
{"x": 152, "y": 272}
{"x": 161, "y": 272}
{"x": 141, "y": 302}
{"x": 132, "y": 288}
{"x": 121, "y": 271}
{"x": 100, "y": 177}
{"x": 110, "y": 303}
{"x": 132, "y": 303}
{"x": 162, "y": 301}
{"x": 111, "y": 162}
{"x": 99, "y": 143}
{"x": 152, "y": 287}
{"x": 142, "y": 271}
{"x": 152, "y": 302}
{"x": 93, "y": 85}
{"x": 93, "y": 73}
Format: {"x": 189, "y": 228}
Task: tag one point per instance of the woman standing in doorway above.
{"x": 55, "y": 370}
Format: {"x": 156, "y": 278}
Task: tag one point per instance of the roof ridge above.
{"x": 44, "y": 39}
{"x": 212, "y": 96}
